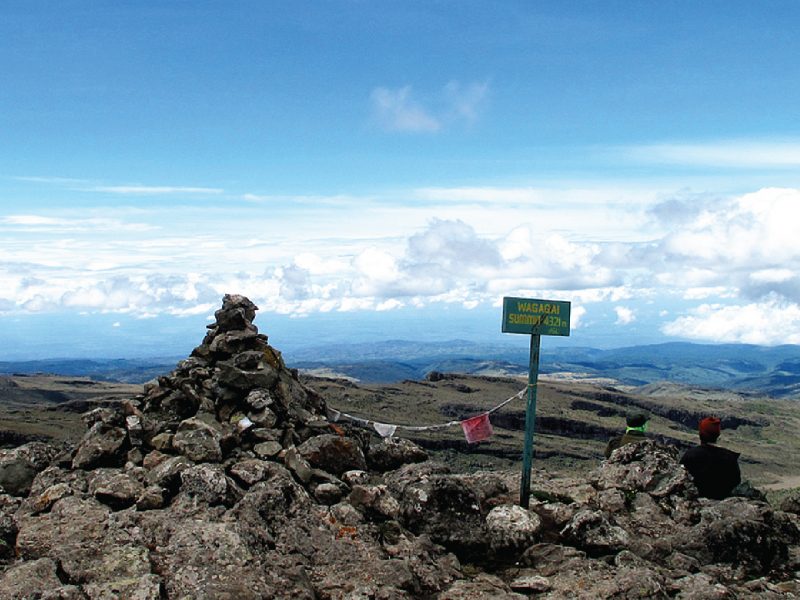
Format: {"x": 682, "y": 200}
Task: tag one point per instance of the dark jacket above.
{"x": 629, "y": 437}
{"x": 715, "y": 470}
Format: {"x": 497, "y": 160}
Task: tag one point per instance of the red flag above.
{"x": 477, "y": 428}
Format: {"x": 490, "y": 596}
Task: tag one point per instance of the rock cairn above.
{"x": 224, "y": 479}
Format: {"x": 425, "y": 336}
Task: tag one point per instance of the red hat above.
{"x": 710, "y": 428}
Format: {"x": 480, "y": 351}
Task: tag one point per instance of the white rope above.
{"x": 334, "y": 416}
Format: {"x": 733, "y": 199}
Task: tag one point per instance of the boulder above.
{"x": 482, "y": 587}
{"x": 78, "y": 534}
{"x": 167, "y": 473}
{"x": 591, "y": 530}
{"x": 298, "y": 465}
{"x": 208, "y": 484}
{"x": 375, "y": 499}
{"x": 231, "y": 342}
{"x": 328, "y": 493}
{"x": 237, "y": 313}
{"x": 30, "y": 579}
{"x": 511, "y": 526}
{"x": 791, "y": 503}
{"x": 39, "y": 454}
{"x": 656, "y": 470}
{"x": 151, "y": 498}
{"x": 146, "y": 587}
{"x": 267, "y": 449}
{"x": 16, "y": 476}
{"x": 250, "y": 471}
{"x": 333, "y": 453}
{"x": 116, "y": 489}
{"x": 749, "y": 535}
{"x": 259, "y": 399}
{"x": 103, "y": 445}
{"x": 261, "y": 376}
{"x": 392, "y": 453}
{"x": 9, "y": 505}
{"x": 448, "y": 510}
{"x": 198, "y": 441}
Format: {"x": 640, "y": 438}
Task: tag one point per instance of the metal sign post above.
{"x": 536, "y": 318}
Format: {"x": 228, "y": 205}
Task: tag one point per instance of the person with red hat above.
{"x": 715, "y": 470}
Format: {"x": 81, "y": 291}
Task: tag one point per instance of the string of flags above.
{"x": 476, "y": 429}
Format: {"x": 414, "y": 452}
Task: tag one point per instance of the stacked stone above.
{"x": 232, "y": 400}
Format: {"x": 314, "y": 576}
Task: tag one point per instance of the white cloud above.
{"x": 776, "y": 275}
{"x": 316, "y": 264}
{"x": 451, "y": 244}
{"x": 466, "y": 101}
{"x": 390, "y": 304}
{"x": 295, "y": 282}
{"x": 153, "y": 190}
{"x": 742, "y": 154}
{"x": 750, "y": 242}
{"x": 146, "y": 262}
{"x": 400, "y": 110}
{"x": 42, "y": 223}
{"x": 377, "y": 265}
{"x": 199, "y": 309}
{"x": 51, "y": 180}
{"x": 702, "y": 293}
{"x": 625, "y": 315}
{"x": 483, "y": 194}
{"x": 770, "y": 322}
{"x": 576, "y": 315}
{"x": 88, "y": 185}
{"x": 396, "y": 110}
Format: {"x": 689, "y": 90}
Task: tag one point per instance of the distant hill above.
{"x": 773, "y": 371}
{"x": 120, "y": 370}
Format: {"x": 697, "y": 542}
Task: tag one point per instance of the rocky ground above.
{"x": 574, "y": 420}
{"x": 224, "y": 479}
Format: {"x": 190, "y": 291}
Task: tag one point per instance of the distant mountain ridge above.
{"x": 123, "y": 370}
{"x": 773, "y": 371}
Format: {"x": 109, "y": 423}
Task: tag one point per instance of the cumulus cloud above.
{"x": 741, "y": 251}
{"x": 295, "y": 282}
{"x": 683, "y": 207}
{"x": 445, "y": 262}
{"x": 401, "y": 110}
{"x": 576, "y": 315}
{"x": 751, "y": 234}
{"x": 625, "y": 315}
{"x": 450, "y": 245}
{"x": 773, "y": 321}
{"x": 390, "y": 304}
{"x": 138, "y": 295}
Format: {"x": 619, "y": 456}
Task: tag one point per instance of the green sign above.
{"x": 536, "y": 318}
{"x": 540, "y": 317}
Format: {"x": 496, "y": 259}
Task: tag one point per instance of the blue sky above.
{"x": 393, "y": 169}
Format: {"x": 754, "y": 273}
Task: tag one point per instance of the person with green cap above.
{"x": 635, "y": 432}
